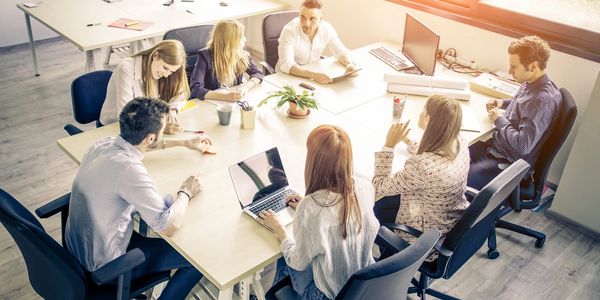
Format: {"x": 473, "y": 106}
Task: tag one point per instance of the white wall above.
{"x": 362, "y": 22}
{"x": 12, "y": 25}
{"x": 577, "y": 195}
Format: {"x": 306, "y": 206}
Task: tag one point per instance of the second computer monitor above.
{"x": 420, "y": 44}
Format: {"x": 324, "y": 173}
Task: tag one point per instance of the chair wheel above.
{"x": 493, "y": 253}
{"x": 539, "y": 243}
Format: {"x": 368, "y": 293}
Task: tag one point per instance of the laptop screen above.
{"x": 258, "y": 176}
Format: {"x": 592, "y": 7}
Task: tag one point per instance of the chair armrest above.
{"x": 53, "y": 207}
{"x": 472, "y": 191}
{"x": 439, "y": 247}
{"x": 119, "y": 266}
{"x": 390, "y": 240}
{"x": 268, "y": 69}
{"x": 408, "y": 229}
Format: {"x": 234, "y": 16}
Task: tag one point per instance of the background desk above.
{"x": 69, "y": 18}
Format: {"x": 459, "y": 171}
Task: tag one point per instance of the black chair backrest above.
{"x": 87, "y": 95}
{"x": 567, "y": 112}
{"x": 193, "y": 39}
{"x": 390, "y": 278}
{"x": 473, "y": 228}
{"x": 53, "y": 272}
{"x": 272, "y": 25}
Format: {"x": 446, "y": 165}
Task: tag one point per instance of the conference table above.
{"x": 70, "y": 19}
{"x": 222, "y": 242}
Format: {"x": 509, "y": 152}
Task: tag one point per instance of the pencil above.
{"x": 128, "y": 24}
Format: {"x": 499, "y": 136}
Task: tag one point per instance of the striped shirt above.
{"x": 317, "y": 240}
{"x": 529, "y": 115}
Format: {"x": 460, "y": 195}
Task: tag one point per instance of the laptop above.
{"x": 260, "y": 183}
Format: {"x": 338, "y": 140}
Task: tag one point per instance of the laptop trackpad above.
{"x": 286, "y": 215}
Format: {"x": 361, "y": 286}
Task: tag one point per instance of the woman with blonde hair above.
{"x": 431, "y": 187}
{"x": 158, "y": 72}
{"x": 218, "y": 73}
{"x": 334, "y": 225}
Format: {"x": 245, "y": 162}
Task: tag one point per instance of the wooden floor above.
{"x": 33, "y": 111}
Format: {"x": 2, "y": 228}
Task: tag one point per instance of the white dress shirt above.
{"x": 296, "y": 48}
{"x": 112, "y": 183}
{"x": 126, "y": 84}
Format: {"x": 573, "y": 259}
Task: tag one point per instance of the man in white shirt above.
{"x": 112, "y": 183}
{"x": 303, "y": 40}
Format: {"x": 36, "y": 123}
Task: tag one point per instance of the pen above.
{"x": 131, "y": 23}
{"x": 195, "y": 131}
{"x": 93, "y": 24}
{"x": 191, "y": 12}
{"x": 469, "y": 130}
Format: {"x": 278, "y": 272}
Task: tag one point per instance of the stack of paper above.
{"x": 427, "y": 85}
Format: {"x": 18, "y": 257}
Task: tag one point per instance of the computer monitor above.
{"x": 420, "y": 44}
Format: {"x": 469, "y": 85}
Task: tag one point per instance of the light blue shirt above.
{"x": 112, "y": 183}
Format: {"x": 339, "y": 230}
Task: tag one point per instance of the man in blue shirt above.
{"x": 522, "y": 122}
{"x": 112, "y": 183}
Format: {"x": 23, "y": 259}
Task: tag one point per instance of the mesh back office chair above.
{"x": 388, "y": 278}
{"x": 193, "y": 39}
{"x": 467, "y": 236}
{"x": 271, "y": 29}
{"x": 531, "y": 193}
{"x": 87, "y": 96}
{"x": 53, "y": 271}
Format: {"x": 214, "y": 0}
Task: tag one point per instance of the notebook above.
{"x": 131, "y": 24}
{"x": 344, "y": 75}
{"x": 260, "y": 183}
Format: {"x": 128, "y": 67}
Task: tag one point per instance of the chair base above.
{"x": 421, "y": 289}
{"x": 539, "y": 237}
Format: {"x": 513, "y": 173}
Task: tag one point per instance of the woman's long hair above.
{"x": 441, "y": 134}
{"x": 329, "y": 166}
{"x": 230, "y": 58}
{"x": 172, "y": 53}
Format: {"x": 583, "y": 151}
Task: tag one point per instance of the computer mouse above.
{"x": 223, "y": 3}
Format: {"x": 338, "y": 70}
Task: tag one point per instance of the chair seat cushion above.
{"x": 527, "y": 190}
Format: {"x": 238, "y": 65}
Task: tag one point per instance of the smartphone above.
{"x": 307, "y": 86}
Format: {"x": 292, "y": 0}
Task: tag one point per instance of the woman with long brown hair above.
{"x": 218, "y": 73}
{"x": 432, "y": 184}
{"x": 158, "y": 72}
{"x": 334, "y": 225}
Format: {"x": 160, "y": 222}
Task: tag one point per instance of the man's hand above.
{"x": 350, "y": 68}
{"x": 270, "y": 219}
{"x": 199, "y": 143}
{"x": 321, "y": 78}
{"x": 191, "y": 186}
{"x": 293, "y": 200}
{"x": 493, "y": 103}
{"x": 494, "y": 114}
{"x": 397, "y": 133}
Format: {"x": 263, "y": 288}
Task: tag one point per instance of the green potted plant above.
{"x": 298, "y": 103}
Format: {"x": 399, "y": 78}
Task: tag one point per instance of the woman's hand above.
{"x": 293, "y": 200}
{"x": 397, "y": 133}
{"x": 173, "y": 126}
{"x": 201, "y": 143}
{"x": 270, "y": 219}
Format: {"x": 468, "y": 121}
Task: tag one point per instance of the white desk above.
{"x": 69, "y": 18}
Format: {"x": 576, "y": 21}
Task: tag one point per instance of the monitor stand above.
{"x": 413, "y": 70}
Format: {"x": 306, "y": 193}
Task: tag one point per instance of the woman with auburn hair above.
{"x": 158, "y": 72}
{"x": 334, "y": 225}
{"x": 223, "y": 63}
{"x": 431, "y": 187}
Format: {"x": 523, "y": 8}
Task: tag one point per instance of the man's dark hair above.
{"x": 140, "y": 117}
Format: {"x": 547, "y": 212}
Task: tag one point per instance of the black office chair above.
{"x": 388, "y": 278}
{"x": 53, "y": 271}
{"x": 193, "y": 39}
{"x": 87, "y": 96}
{"x": 467, "y": 236}
{"x": 530, "y": 194}
{"x": 272, "y": 25}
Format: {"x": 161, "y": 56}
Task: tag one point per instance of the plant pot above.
{"x": 296, "y": 111}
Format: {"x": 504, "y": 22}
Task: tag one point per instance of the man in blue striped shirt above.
{"x": 522, "y": 121}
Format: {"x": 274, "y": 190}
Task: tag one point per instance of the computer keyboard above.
{"x": 389, "y": 58}
{"x": 276, "y": 203}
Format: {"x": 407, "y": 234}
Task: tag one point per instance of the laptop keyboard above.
{"x": 276, "y": 203}
{"x": 389, "y": 58}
